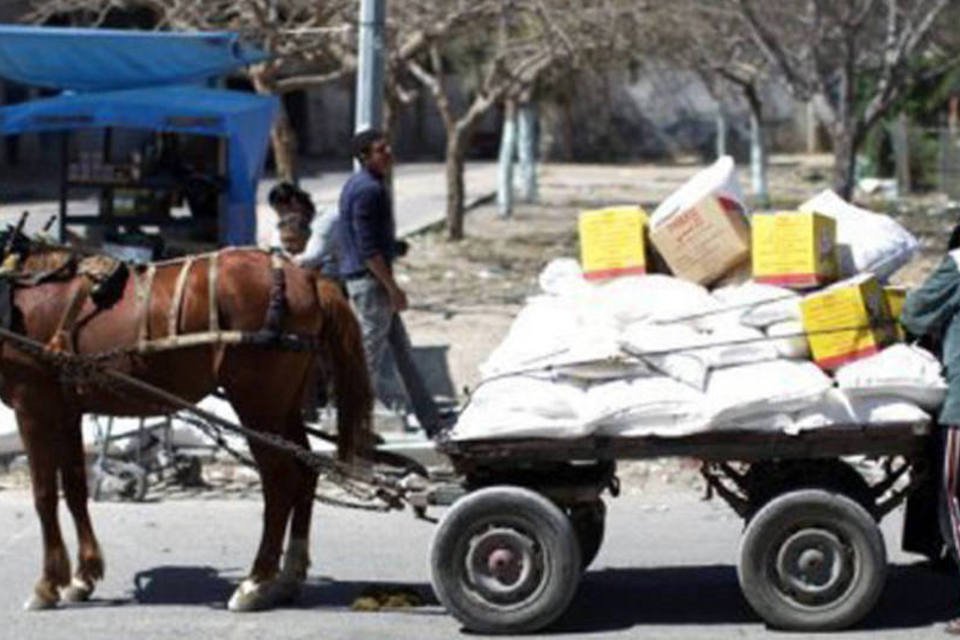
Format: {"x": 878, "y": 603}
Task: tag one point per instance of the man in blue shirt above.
{"x": 367, "y": 249}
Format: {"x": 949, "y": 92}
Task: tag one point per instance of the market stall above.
{"x": 151, "y": 82}
{"x": 238, "y": 122}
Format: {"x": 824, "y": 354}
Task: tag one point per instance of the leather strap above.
{"x": 173, "y": 313}
{"x": 144, "y": 333}
{"x": 62, "y": 340}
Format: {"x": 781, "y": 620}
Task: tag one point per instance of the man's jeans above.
{"x": 383, "y": 328}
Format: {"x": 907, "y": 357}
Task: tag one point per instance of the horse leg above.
{"x": 73, "y": 473}
{"x": 296, "y": 559}
{"x": 261, "y": 589}
{"x": 39, "y": 432}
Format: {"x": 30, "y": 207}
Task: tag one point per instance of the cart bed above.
{"x": 715, "y": 446}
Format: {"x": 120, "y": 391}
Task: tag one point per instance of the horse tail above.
{"x": 341, "y": 344}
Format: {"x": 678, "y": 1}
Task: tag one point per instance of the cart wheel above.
{"x": 812, "y": 560}
{"x": 588, "y": 522}
{"x": 505, "y": 560}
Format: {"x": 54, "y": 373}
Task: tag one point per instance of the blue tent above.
{"x": 108, "y": 59}
{"x": 243, "y": 118}
{"x": 139, "y": 79}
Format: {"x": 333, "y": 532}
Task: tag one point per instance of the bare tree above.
{"x": 711, "y": 41}
{"x": 856, "y": 57}
{"x": 504, "y": 50}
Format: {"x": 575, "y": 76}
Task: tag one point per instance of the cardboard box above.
{"x": 612, "y": 242}
{"x": 896, "y": 297}
{"x": 793, "y": 249}
{"x": 704, "y": 242}
{"x": 848, "y": 321}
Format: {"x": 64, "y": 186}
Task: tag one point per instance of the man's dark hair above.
{"x": 289, "y": 193}
{"x": 361, "y": 143}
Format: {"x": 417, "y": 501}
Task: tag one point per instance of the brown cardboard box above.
{"x": 704, "y": 242}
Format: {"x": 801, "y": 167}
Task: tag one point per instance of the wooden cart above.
{"x": 526, "y": 518}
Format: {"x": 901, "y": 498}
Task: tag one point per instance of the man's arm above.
{"x": 317, "y": 246}
{"x": 378, "y": 267}
{"x": 367, "y": 215}
{"x": 929, "y": 307}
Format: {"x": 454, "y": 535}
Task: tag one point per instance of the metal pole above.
{"x": 370, "y": 65}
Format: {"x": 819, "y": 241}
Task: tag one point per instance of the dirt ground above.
{"x": 464, "y": 295}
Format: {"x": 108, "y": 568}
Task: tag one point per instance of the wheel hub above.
{"x": 814, "y": 566}
{"x": 503, "y": 564}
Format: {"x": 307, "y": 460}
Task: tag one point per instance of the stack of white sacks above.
{"x": 657, "y": 355}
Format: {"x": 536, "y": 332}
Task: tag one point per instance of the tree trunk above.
{"x": 455, "y": 189}
{"x": 527, "y": 151}
{"x": 844, "y": 159}
{"x": 508, "y": 147}
{"x": 721, "y": 141}
{"x": 283, "y": 139}
{"x": 758, "y": 149}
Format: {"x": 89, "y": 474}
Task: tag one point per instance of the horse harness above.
{"x": 102, "y": 280}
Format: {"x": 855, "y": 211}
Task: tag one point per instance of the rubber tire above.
{"x": 589, "y": 523}
{"x": 826, "y": 510}
{"x": 540, "y": 519}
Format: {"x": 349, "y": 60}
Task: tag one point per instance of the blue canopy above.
{"x": 107, "y": 59}
{"x": 243, "y": 118}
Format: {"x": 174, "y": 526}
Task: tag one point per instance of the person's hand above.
{"x": 398, "y": 299}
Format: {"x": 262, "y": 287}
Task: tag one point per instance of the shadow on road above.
{"x": 611, "y": 599}
{"x": 185, "y": 585}
{"x": 182, "y": 585}
{"x": 608, "y": 599}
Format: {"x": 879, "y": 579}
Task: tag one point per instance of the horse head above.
{"x": 15, "y": 244}
{"x": 30, "y": 257}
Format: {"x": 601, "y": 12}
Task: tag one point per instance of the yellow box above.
{"x": 794, "y": 249}
{"x": 612, "y": 242}
{"x": 848, "y": 321}
{"x": 896, "y": 297}
{"x": 704, "y": 242}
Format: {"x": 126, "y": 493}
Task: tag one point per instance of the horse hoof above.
{"x": 79, "y": 591}
{"x": 36, "y": 603}
{"x": 249, "y": 596}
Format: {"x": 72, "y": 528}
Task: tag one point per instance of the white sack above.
{"x": 775, "y": 422}
{"x": 736, "y": 345}
{"x": 543, "y": 330}
{"x": 866, "y": 241}
{"x": 673, "y": 349}
{"x": 758, "y": 305}
{"x": 903, "y": 371}
{"x": 653, "y": 298}
{"x": 833, "y": 408}
{"x": 778, "y": 386}
{"x": 687, "y": 355}
{"x": 522, "y": 407}
{"x": 881, "y": 409}
{"x": 562, "y": 276}
{"x": 789, "y": 339}
{"x": 644, "y": 406}
{"x": 837, "y": 408}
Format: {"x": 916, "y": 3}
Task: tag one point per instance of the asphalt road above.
{"x": 667, "y": 570}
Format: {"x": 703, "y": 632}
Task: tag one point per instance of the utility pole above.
{"x": 370, "y": 65}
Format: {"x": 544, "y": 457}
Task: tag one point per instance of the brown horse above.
{"x": 264, "y": 385}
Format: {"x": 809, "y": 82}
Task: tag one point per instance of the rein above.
{"x": 359, "y": 481}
